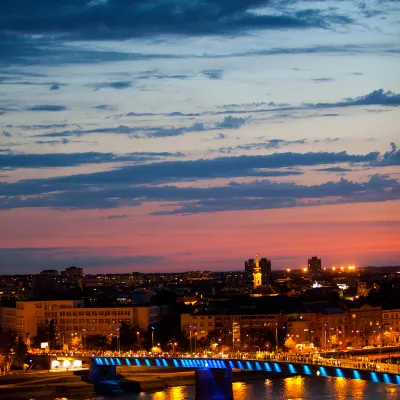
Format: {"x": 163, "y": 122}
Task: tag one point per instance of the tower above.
{"x": 257, "y": 276}
{"x": 314, "y": 266}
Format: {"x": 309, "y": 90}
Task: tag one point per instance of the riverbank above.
{"x": 73, "y": 385}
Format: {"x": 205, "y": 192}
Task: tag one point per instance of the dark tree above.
{"x": 52, "y": 334}
{"x": 41, "y": 336}
{"x": 317, "y": 342}
{"x": 97, "y": 342}
{"x": 168, "y": 329}
{"x": 164, "y": 297}
{"x": 21, "y": 350}
{"x": 7, "y": 341}
{"x": 127, "y": 336}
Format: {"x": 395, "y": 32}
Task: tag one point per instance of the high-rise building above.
{"x": 314, "y": 266}
{"x": 265, "y": 267}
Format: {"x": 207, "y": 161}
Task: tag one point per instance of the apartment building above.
{"x": 93, "y": 321}
{"x": 250, "y": 330}
{"x": 201, "y": 325}
{"x": 32, "y": 314}
{"x": 70, "y": 318}
{"x": 365, "y": 318}
{"x": 391, "y": 320}
{"x": 8, "y": 319}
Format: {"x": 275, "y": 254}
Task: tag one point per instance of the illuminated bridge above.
{"x": 215, "y": 375}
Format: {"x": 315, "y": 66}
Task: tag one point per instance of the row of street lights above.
{"x": 117, "y": 336}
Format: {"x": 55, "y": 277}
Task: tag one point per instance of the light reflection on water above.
{"x": 293, "y": 388}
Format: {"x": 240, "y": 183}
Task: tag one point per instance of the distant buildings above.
{"x": 314, "y": 266}
{"x": 265, "y": 267}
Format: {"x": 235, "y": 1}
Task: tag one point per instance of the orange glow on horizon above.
{"x": 175, "y": 242}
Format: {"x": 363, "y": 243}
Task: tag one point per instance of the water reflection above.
{"x": 293, "y": 388}
{"x": 172, "y": 393}
{"x": 240, "y": 390}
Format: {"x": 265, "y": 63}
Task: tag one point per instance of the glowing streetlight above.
{"x": 152, "y": 336}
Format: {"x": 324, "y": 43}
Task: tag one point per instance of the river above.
{"x": 294, "y": 388}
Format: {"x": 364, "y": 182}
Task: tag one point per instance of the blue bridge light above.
{"x": 322, "y": 370}
{"x": 292, "y": 370}
{"x": 386, "y": 378}
{"x": 306, "y": 369}
{"x": 374, "y": 377}
{"x": 277, "y": 367}
{"x": 127, "y": 361}
{"x": 356, "y": 374}
{"x": 339, "y": 373}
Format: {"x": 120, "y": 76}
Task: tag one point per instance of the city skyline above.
{"x": 194, "y": 136}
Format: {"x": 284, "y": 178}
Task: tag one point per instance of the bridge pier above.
{"x": 213, "y": 384}
{"x": 98, "y": 373}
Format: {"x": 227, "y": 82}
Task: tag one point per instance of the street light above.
{"x": 118, "y": 342}
{"x": 190, "y": 338}
{"x": 152, "y": 336}
{"x": 138, "y": 338}
{"x": 195, "y": 342}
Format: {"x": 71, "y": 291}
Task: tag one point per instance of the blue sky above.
{"x": 177, "y": 114}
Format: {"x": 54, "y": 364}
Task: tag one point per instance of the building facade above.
{"x": 8, "y": 319}
{"x": 314, "y": 266}
{"x": 33, "y": 314}
{"x": 366, "y": 325}
{"x": 70, "y": 318}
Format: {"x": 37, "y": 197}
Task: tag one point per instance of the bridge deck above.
{"x": 291, "y": 368}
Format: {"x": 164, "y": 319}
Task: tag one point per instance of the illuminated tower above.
{"x": 257, "y": 277}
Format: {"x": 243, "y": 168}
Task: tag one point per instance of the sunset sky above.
{"x": 172, "y": 135}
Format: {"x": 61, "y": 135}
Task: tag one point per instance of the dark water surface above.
{"x": 294, "y": 388}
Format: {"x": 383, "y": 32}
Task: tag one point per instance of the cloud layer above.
{"x": 154, "y": 182}
{"x": 123, "y": 19}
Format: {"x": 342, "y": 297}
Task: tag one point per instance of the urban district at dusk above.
{"x": 199, "y": 199}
